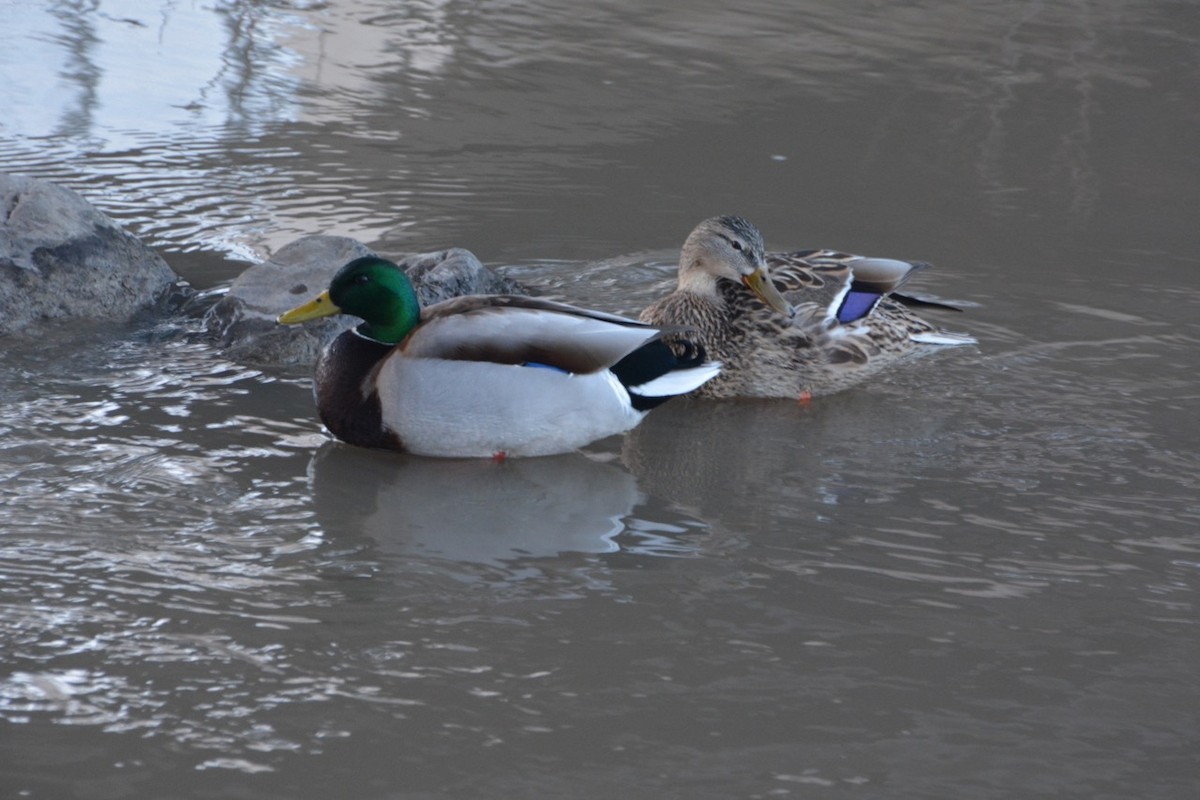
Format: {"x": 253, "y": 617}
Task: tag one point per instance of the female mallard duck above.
{"x": 484, "y": 375}
{"x": 828, "y": 321}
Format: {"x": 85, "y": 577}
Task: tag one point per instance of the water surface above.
{"x": 974, "y": 578}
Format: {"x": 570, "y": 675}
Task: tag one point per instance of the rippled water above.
{"x": 975, "y": 578}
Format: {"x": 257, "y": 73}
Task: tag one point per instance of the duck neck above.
{"x": 695, "y": 279}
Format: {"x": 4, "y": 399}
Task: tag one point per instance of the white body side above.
{"x": 467, "y": 408}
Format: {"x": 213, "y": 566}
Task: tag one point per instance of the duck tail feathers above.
{"x": 656, "y": 372}
{"x": 948, "y": 338}
{"x": 676, "y": 382}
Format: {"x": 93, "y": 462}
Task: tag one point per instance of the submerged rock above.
{"x": 243, "y": 321}
{"x": 60, "y": 257}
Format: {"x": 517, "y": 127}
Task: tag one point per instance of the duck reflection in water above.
{"x": 473, "y": 510}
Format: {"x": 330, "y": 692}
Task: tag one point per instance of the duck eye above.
{"x": 736, "y": 245}
{"x": 361, "y": 279}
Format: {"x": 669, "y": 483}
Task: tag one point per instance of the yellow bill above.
{"x": 319, "y": 306}
{"x": 761, "y": 284}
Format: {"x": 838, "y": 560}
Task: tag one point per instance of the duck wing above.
{"x": 846, "y": 287}
{"x": 512, "y": 329}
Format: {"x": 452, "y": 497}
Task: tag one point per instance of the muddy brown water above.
{"x": 975, "y": 578}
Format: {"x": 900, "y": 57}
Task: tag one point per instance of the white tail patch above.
{"x": 831, "y": 311}
{"x": 680, "y": 381}
{"x": 942, "y": 337}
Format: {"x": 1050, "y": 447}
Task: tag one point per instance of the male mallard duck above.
{"x": 828, "y": 321}
{"x": 484, "y": 375}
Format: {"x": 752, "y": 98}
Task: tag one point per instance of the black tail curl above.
{"x": 688, "y": 353}
{"x": 655, "y": 359}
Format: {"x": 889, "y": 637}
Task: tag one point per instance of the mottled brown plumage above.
{"x": 839, "y": 325}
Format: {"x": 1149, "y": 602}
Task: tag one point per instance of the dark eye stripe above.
{"x": 734, "y": 243}
{"x": 745, "y": 249}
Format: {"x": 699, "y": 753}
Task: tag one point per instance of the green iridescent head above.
{"x": 372, "y": 288}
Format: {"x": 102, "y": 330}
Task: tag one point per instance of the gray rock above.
{"x": 60, "y": 258}
{"x": 443, "y": 274}
{"x": 243, "y": 321}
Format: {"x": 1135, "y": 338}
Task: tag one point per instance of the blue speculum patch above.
{"x": 857, "y": 305}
